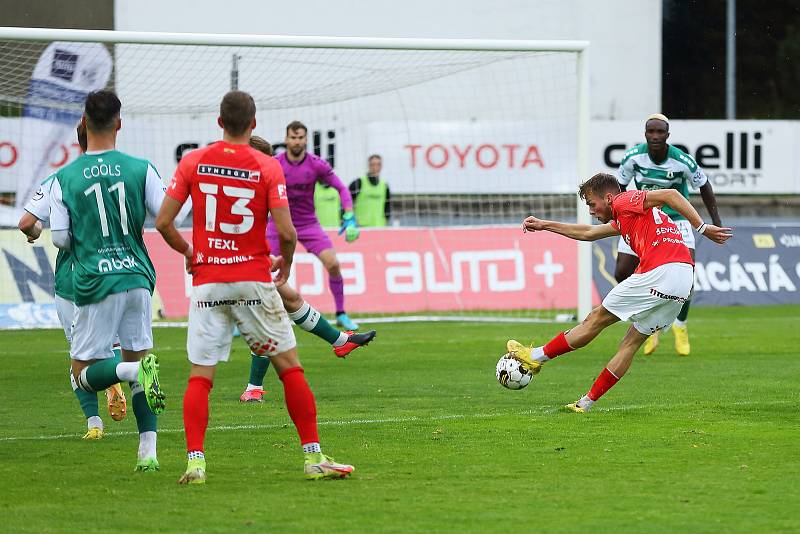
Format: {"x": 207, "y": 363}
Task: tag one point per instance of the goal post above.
{"x": 473, "y": 135}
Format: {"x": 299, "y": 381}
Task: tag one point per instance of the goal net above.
{"x": 473, "y": 136}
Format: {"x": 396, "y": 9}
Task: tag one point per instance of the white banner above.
{"x": 739, "y": 157}
{"x": 476, "y": 157}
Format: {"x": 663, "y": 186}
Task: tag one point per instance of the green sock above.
{"x": 100, "y": 375}
{"x": 258, "y": 368}
{"x": 146, "y": 420}
{"x": 684, "y": 313}
{"x": 88, "y": 401}
{"x": 117, "y": 355}
{"x": 312, "y": 321}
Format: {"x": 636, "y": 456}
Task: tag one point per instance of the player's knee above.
{"x": 334, "y": 269}
{"x": 285, "y": 361}
{"x": 292, "y": 301}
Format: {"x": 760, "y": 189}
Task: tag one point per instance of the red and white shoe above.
{"x": 253, "y": 395}
{"x": 354, "y": 341}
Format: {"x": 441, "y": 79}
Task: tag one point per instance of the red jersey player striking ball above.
{"x": 234, "y": 188}
{"x": 650, "y": 298}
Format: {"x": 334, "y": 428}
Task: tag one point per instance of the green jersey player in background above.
{"x": 98, "y": 207}
{"x": 656, "y": 164}
{"x": 37, "y": 209}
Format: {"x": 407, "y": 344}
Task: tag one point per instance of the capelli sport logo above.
{"x": 735, "y": 160}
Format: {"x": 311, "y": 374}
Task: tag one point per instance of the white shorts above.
{"x": 687, "y": 233}
{"x": 652, "y": 300}
{"x": 97, "y": 325}
{"x": 254, "y": 307}
{"x": 65, "y": 309}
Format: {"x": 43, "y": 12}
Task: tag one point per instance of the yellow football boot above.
{"x": 575, "y": 408}
{"x": 520, "y": 352}
{"x": 94, "y": 433}
{"x": 651, "y": 344}
{"x": 681, "y": 334}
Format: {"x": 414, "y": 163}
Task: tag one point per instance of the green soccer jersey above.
{"x": 39, "y": 207}
{"x": 678, "y": 171}
{"x": 103, "y": 199}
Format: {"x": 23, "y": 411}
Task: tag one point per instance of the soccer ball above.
{"x": 511, "y": 374}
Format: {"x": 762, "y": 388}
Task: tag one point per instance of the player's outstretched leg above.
{"x": 254, "y": 392}
{"x": 104, "y": 373}
{"x": 195, "y": 423}
{"x": 681, "y": 332}
{"x": 615, "y": 370}
{"x": 147, "y": 424}
{"x": 580, "y": 336}
{"x": 89, "y": 407}
{"x": 302, "y": 409}
{"x": 309, "y": 319}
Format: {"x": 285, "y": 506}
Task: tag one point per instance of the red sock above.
{"x": 300, "y": 403}
{"x": 604, "y": 382}
{"x": 195, "y": 412}
{"x": 557, "y": 346}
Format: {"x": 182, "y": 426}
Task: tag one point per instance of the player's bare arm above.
{"x": 707, "y": 194}
{"x": 579, "y": 232}
{"x": 676, "y": 201}
{"x": 287, "y": 237}
{"x": 31, "y": 226}
{"x": 165, "y": 224}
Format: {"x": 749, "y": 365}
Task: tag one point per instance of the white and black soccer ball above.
{"x": 511, "y": 374}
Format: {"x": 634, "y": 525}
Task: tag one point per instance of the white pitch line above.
{"x": 393, "y": 420}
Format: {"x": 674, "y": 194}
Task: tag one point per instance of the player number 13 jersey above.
{"x": 232, "y": 189}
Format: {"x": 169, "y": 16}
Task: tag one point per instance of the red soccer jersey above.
{"x": 649, "y": 232}
{"x": 232, "y": 188}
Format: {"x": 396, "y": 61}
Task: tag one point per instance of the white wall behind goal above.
{"x": 623, "y": 33}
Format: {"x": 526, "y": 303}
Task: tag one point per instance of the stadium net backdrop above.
{"x": 474, "y": 135}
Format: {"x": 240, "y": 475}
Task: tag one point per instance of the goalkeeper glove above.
{"x": 349, "y": 227}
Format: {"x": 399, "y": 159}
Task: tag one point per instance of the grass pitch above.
{"x": 707, "y": 443}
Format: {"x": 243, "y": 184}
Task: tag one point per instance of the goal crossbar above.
{"x": 290, "y": 41}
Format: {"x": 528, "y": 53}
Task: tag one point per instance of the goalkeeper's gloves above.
{"x": 349, "y": 227}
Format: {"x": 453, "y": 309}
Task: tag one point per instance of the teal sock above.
{"x": 88, "y": 401}
{"x": 684, "y": 313}
{"x": 258, "y": 369}
{"x": 117, "y": 355}
{"x": 312, "y": 321}
{"x": 146, "y": 420}
{"x": 99, "y": 375}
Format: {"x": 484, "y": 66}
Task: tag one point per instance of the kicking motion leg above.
{"x": 572, "y": 339}
{"x": 614, "y": 370}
